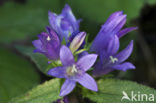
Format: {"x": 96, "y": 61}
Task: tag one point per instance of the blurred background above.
{"x": 22, "y": 20}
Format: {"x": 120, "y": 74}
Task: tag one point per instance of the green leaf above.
{"x": 44, "y": 93}
{"x": 19, "y": 21}
{"x": 110, "y": 91}
{"x": 16, "y": 75}
{"x": 39, "y": 59}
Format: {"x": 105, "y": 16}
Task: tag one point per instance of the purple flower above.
{"x": 111, "y": 27}
{"x": 111, "y": 60}
{"x": 65, "y": 24}
{"x": 106, "y": 45}
{"x": 48, "y": 44}
{"x": 74, "y": 71}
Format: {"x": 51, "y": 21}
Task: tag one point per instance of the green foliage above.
{"x": 44, "y": 93}
{"x": 39, "y": 59}
{"x": 110, "y": 91}
{"x": 150, "y": 1}
{"x": 99, "y": 10}
{"x": 19, "y": 21}
{"x": 16, "y": 75}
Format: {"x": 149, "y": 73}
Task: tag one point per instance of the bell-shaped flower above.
{"x": 111, "y": 27}
{"x": 106, "y": 45}
{"x": 65, "y": 24}
{"x": 48, "y": 44}
{"x": 74, "y": 71}
{"x": 111, "y": 60}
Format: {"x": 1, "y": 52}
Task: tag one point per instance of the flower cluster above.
{"x": 64, "y": 42}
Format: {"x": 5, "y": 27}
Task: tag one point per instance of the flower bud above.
{"x": 77, "y": 41}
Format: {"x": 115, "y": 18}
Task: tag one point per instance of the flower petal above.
{"x": 101, "y": 40}
{"x": 50, "y": 46}
{"x": 100, "y": 69}
{"x": 114, "y": 15}
{"x": 38, "y": 45}
{"x": 88, "y": 82}
{"x": 124, "y": 54}
{"x": 55, "y": 22}
{"x": 113, "y": 46}
{"x": 109, "y": 29}
{"x": 67, "y": 13}
{"x": 120, "y": 24}
{"x": 124, "y": 66}
{"x": 66, "y": 56}
{"x": 58, "y": 72}
{"x": 125, "y": 31}
{"x": 43, "y": 37}
{"x": 67, "y": 87}
{"x": 115, "y": 22}
{"x": 52, "y": 18}
{"x": 64, "y": 23}
{"x": 53, "y": 35}
{"x": 87, "y": 61}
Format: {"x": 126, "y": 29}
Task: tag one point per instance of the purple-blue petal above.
{"x": 50, "y": 47}
{"x": 67, "y": 13}
{"x": 113, "y": 46}
{"x": 88, "y": 82}
{"x": 67, "y": 87}
{"x": 55, "y": 22}
{"x": 114, "y": 15}
{"x": 112, "y": 26}
{"x": 100, "y": 69}
{"x": 124, "y": 54}
{"x": 43, "y": 37}
{"x": 86, "y": 62}
{"x": 52, "y": 53}
{"x": 53, "y": 36}
{"x": 108, "y": 30}
{"x": 125, "y": 31}
{"x": 38, "y": 45}
{"x": 66, "y": 56}
{"x": 52, "y": 20}
{"x": 64, "y": 23}
{"x": 124, "y": 66}
{"x": 59, "y": 72}
{"x": 120, "y": 24}
{"x": 104, "y": 56}
{"x": 114, "y": 23}
{"x": 101, "y": 40}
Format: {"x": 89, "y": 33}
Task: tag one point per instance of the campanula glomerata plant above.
{"x": 64, "y": 44}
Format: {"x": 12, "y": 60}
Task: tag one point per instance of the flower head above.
{"x": 106, "y": 45}
{"x": 111, "y": 28}
{"x": 112, "y": 60}
{"x": 48, "y": 44}
{"x": 74, "y": 71}
{"x": 65, "y": 23}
